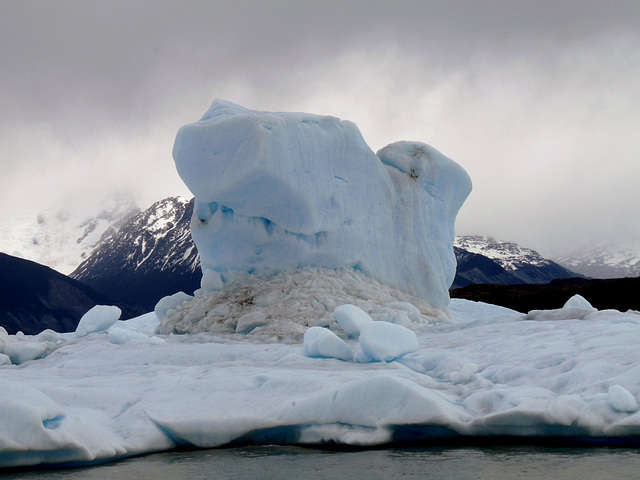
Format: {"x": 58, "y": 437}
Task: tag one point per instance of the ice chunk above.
{"x": 351, "y": 318}
{"x": 382, "y": 341}
{"x": 322, "y": 342}
{"x": 211, "y": 281}
{"x": 21, "y": 351}
{"x": 578, "y": 301}
{"x": 98, "y": 319}
{"x": 248, "y": 322}
{"x": 170, "y": 302}
{"x": 622, "y": 400}
{"x": 120, "y": 336}
{"x": 277, "y": 191}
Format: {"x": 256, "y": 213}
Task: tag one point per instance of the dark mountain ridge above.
{"x": 618, "y": 294}
{"x": 34, "y": 298}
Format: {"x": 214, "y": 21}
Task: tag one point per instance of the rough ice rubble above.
{"x": 281, "y": 306}
{"x": 278, "y": 191}
{"x": 490, "y": 373}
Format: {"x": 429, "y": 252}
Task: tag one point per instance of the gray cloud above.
{"x": 538, "y": 100}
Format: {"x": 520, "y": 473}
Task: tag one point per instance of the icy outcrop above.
{"x": 278, "y": 191}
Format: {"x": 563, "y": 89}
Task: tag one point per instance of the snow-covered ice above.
{"x": 277, "y": 191}
{"x": 491, "y": 372}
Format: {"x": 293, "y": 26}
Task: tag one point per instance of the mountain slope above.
{"x": 34, "y": 298}
{"x": 151, "y": 256}
{"x": 606, "y": 260}
{"x": 62, "y": 238}
{"x": 473, "y": 268}
{"x": 518, "y": 264}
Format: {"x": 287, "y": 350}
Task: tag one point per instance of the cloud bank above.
{"x": 537, "y": 100}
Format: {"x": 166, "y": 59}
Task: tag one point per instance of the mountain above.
{"x": 151, "y": 256}
{"x": 606, "y": 259}
{"x": 487, "y": 260}
{"x": 62, "y": 238}
{"x": 34, "y": 297}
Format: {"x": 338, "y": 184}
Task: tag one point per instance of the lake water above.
{"x": 274, "y": 462}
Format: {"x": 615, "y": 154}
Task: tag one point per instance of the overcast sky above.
{"x": 538, "y": 100}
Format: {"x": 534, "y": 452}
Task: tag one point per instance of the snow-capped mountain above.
{"x": 606, "y": 260}
{"x": 504, "y": 263}
{"x": 61, "y": 238}
{"x": 151, "y": 256}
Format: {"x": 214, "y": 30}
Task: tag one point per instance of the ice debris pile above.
{"x": 122, "y": 390}
{"x": 281, "y": 307}
{"x": 282, "y": 191}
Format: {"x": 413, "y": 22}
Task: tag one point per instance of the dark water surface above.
{"x": 274, "y": 462}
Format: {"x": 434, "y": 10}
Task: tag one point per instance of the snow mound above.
{"x": 284, "y": 305}
{"x": 281, "y": 191}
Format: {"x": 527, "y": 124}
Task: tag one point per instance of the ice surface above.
{"x": 98, "y": 319}
{"x": 278, "y": 191}
{"x": 490, "y": 372}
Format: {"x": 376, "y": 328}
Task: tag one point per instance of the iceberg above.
{"x": 282, "y": 191}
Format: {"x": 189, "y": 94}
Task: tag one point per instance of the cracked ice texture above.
{"x": 278, "y": 191}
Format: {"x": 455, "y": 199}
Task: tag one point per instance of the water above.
{"x": 274, "y": 462}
